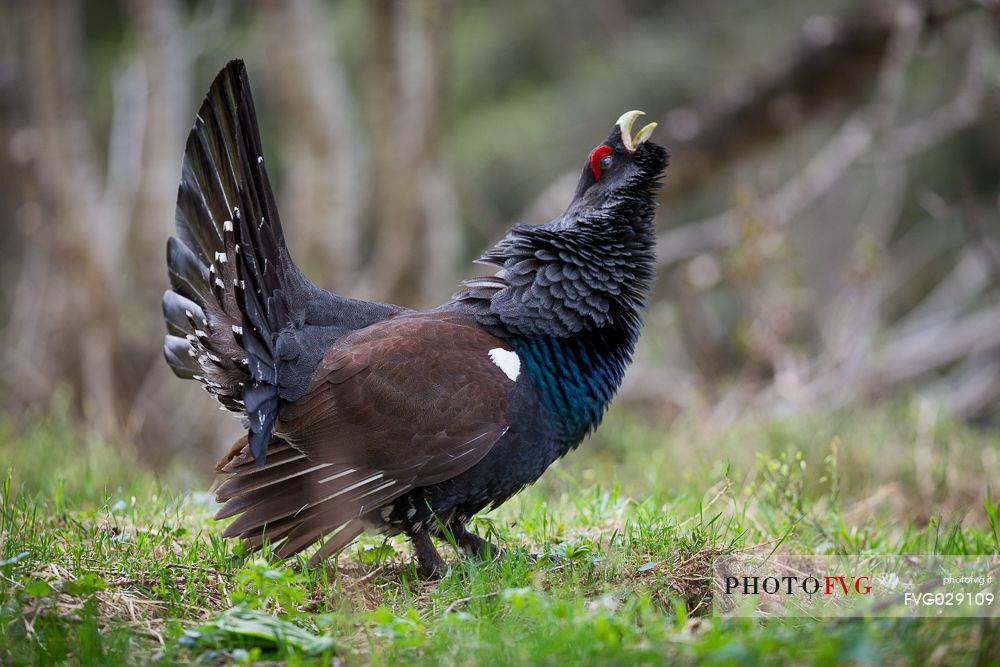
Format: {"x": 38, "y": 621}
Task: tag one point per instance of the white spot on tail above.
{"x": 227, "y": 226}
{"x": 221, "y": 257}
{"x": 506, "y": 361}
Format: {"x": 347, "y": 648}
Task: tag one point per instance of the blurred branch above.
{"x": 82, "y": 310}
{"x": 848, "y": 146}
{"x": 67, "y": 157}
{"x": 849, "y": 325}
{"x": 703, "y": 342}
{"x": 840, "y": 153}
{"x": 908, "y": 257}
{"x": 834, "y": 58}
{"x": 977, "y": 237}
{"x": 966, "y": 106}
{"x": 91, "y": 203}
{"x": 853, "y": 320}
{"x": 329, "y": 180}
{"x": 906, "y": 357}
{"x": 438, "y": 197}
{"x": 934, "y": 333}
{"x": 950, "y": 296}
{"x": 29, "y": 368}
{"x": 973, "y": 386}
{"x": 408, "y": 86}
{"x": 125, "y": 167}
{"x": 165, "y": 55}
{"x": 913, "y": 353}
{"x": 939, "y": 331}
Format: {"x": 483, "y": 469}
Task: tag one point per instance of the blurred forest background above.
{"x": 830, "y": 224}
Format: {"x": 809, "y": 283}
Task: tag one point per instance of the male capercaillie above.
{"x": 368, "y": 416}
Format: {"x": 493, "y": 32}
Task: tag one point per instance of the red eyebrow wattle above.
{"x": 595, "y": 159}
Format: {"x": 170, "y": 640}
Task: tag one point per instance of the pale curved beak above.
{"x": 625, "y": 123}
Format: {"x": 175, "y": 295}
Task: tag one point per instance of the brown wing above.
{"x": 404, "y": 403}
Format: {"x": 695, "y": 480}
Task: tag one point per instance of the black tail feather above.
{"x": 217, "y": 298}
{"x": 258, "y": 327}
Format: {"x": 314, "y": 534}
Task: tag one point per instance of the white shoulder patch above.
{"x": 506, "y": 361}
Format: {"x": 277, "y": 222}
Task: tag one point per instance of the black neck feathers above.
{"x": 591, "y": 267}
{"x": 569, "y": 294}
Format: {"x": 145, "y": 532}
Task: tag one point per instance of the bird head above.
{"x": 619, "y": 164}
{"x": 592, "y": 266}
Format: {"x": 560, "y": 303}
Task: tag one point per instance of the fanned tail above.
{"x": 246, "y": 323}
{"x": 233, "y": 285}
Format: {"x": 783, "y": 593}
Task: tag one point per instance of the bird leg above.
{"x": 430, "y": 565}
{"x": 472, "y": 544}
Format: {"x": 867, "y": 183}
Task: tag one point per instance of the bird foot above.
{"x": 483, "y": 549}
{"x": 431, "y": 570}
{"x": 430, "y": 565}
{"x": 476, "y": 546}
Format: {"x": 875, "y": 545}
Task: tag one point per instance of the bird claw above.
{"x": 431, "y": 571}
{"x": 485, "y": 550}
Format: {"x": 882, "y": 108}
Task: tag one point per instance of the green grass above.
{"x": 104, "y": 563}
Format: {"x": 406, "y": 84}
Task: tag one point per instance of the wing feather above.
{"x": 407, "y": 402}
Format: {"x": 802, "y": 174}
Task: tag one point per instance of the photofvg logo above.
{"x": 790, "y": 585}
{"x": 758, "y": 583}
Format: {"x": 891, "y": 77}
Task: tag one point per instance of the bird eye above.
{"x": 600, "y": 160}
